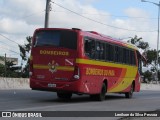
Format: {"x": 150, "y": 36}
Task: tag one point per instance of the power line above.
{"x": 6, "y": 44}
{"x": 98, "y": 21}
{"x": 9, "y": 39}
{"x": 137, "y": 19}
{"x": 114, "y": 15}
{"x": 10, "y": 50}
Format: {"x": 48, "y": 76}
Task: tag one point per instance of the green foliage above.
{"x": 10, "y": 72}
{"x": 24, "y": 50}
{"x": 151, "y": 56}
{"x": 139, "y": 43}
{"x": 147, "y": 75}
{"x": 2, "y": 70}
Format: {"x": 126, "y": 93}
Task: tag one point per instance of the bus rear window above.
{"x": 66, "y": 39}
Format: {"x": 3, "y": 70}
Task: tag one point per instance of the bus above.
{"x": 73, "y": 61}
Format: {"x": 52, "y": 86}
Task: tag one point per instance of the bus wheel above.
{"x": 63, "y": 95}
{"x": 130, "y": 93}
{"x": 102, "y": 95}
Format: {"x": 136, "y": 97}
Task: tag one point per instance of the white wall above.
{"x": 23, "y": 83}
{"x": 14, "y": 83}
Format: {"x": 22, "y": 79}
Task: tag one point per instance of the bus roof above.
{"x": 109, "y": 39}
{"x": 96, "y": 35}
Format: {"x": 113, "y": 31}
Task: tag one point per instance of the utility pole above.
{"x": 48, "y": 6}
{"x": 5, "y": 66}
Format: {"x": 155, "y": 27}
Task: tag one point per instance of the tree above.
{"x": 150, "y": 54}
{"x": 152, "y": 59}
{"x": 24, "y": 53}
{"x": 2, "y": 70}
{"x": 9, "y": 70}
{"x": 147, "y": 76}
{"x": 139, "y": 43}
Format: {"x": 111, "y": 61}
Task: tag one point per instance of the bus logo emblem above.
{"x": 53, "y": 66}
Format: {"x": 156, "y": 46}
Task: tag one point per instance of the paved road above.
{"x": 28, "y": 100}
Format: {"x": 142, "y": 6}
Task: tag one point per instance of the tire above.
{"x": 100, "y": 96}
{"x": 62, "y": 95}
{"x": 130, "y": 93}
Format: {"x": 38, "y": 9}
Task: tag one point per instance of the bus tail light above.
{"x": 76, "y": 73}
{"x": 31, "y": 69}
{"x": 30, "y": 73}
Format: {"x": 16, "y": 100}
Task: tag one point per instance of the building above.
{"x": 9, "y": 59}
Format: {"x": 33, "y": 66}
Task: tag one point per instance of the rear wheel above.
{"x": 100, "y": 96}
{"x": 130, "y": 93}
{"x": 63, "y": 95}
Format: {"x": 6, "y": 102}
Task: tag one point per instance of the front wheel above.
{"x": 130, "y": 93}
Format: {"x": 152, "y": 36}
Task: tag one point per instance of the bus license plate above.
{"x": 51, "y": 85}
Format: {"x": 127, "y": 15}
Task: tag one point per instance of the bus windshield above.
{"x": 55, "y": 38}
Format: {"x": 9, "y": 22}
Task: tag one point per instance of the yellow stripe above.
{"x": 37, "y": 66}
{"x": 64, "y": 68}
{"x": 128, "y": 78}
{"x": 109, "y": 64}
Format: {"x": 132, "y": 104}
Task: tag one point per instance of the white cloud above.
{"x": 136, "y": 12}
{"x": 19, "y": 18}
{"x": 12, "y": 26}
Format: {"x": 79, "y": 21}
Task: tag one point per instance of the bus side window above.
{"x": 107, "y": 52}
{"x": 116, "y": 54}
{"x": 132, "y": 55}
{"x": 124, "y": 56}
{"x": 100, "y": 54}
{"x": 102, "y": 51}
{"x": 93, "y": 50}
{"x": 120, "y": 55}
{"x": 97, "y": 52}
{"x": 86, "y": 47}
{"x": 89, "y": 48}
{"x": 111, "y": 52}
{"x": 128, "y": 57}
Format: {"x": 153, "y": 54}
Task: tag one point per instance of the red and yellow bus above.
{"x": 70, "y": 61}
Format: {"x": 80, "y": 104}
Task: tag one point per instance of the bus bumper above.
{"x": 72, "y": 86}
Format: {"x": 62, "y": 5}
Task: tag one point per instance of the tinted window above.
{"x": 133, "y": 61}
{"x": 89, "y": 48}
{"x": 66, "y": 39}
{"x": 111, "y": 52}
{"x": 100, "y": 54}
{"x": 118, "y": 54}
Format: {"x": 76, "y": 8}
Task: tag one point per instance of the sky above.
{"x": 120, "y": 19}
